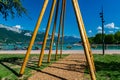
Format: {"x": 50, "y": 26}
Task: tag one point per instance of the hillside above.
{"x": 14, "y": 34}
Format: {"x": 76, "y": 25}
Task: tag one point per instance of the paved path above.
{"x": 64, "y": 51}
{"x": 70, "y": 68}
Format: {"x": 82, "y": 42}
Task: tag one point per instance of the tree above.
{"x": 98, "y": 39}
{"x": 91, "y": 40}
{"x": 117, "y": 37}
{"x": 10, "y": 7}
{"x": 109, "y": 39}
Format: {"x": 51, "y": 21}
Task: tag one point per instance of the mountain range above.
{"x": 16, "y": 34}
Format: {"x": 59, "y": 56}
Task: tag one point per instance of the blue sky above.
{"x": 90, "y": 10}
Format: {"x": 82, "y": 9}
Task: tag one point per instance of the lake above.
{"x": 65, "y": 47}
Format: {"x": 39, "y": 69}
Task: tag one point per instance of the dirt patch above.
{"x": 70, "y": 68}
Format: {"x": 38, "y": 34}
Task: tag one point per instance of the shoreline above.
{"x": 53, "y": 51}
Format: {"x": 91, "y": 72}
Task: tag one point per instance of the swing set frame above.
{"x": 83, "y": 35}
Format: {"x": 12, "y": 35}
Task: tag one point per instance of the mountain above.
{"x": 15, "y": 34}
{"x": 71, "y": 39}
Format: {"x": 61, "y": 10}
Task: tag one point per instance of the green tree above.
{"x": 91, "y": 40}
{"x": 11, "y": 7}
{"x": 109, "y": 39}
{"x": 98, "y": 39}
{"x": 117, "y": 37}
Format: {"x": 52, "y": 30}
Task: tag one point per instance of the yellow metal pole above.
{"x": 90, "y": 52}
{"x": 53, "y": 31}
{"x": 46, "y": 33}
{"x": 57, "y": 45}
{"x": 75, "y": 2}
{"x": 58, "y": 40}
{"x": 64, "y": 4}
{"x": 33, "y": 37}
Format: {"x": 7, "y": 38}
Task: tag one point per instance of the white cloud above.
{"x": 100, "y": 31}
{"x": 90, "y": 31}
{"x": 14, "y": 28}
{"x": 117, "y": 28}
{"x": 99, "y": 28}
{"x": 17, "y": 27}
{"x": 111, "y": 31}
{"x": 111, "y": 26}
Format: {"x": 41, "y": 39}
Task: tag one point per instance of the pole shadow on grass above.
{"x": 10, "y": 62}
{"x": 38, "y": 70}
{"x": 4, "y": 62}
{"x": 13, "y": 71}
{"x": 68, "y": 67}
{"x": 111, "y": 69}
{"x": 107, "y": 67}
{"x": 32, "y": 64}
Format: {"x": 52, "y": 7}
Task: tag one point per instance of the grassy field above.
{"x": 107, "y": 67}
{"x": 10, "y": 65}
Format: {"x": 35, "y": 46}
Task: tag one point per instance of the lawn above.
{"x": 10, "y": 65}
{"x": 107, "y": 67}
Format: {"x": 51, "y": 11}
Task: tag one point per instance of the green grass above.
{"x": 107, "y": 67}
{"x": 10, "y": 65}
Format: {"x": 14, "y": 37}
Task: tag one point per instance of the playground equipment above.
{"x": 86, "y": 45}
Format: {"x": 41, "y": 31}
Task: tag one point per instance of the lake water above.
{"x": 65, "y": 47}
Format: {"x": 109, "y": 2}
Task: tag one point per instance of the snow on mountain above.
{"x": 71, "y": 39}
{"x": 28, "y": 34}
{"x": 16, "y": 28}
{"x": 74, "y": 37}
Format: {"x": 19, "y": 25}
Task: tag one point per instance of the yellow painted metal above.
{"x": 63, "y": 8}
{"x": 88, "y": 44}
{"x": 85, "y": 45}
{"x": 57, "y": 43}
{"x": 46, "y": 33}
{"x": 33, "y": 37}
{"x": 58, "y": 40}
{"x": 53, "y": 31}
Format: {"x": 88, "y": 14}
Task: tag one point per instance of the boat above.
{"x": 40, "y": 43}
{"x": 0, "y": 47}
{"x": 69, "y": 46}
{"x": 94, "y": 46}
{"x": 77, "y": 44}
